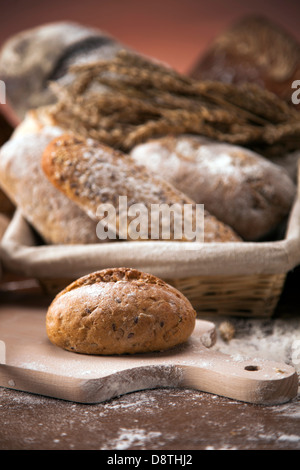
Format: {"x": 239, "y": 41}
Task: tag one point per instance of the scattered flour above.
{"x": 127, "y": 438}
{"x": 290, "y": 438}
{"x": 274, "y": 340}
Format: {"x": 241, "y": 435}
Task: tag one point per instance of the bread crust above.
{"x": 91, "y": 174}
{"x": 119, "y": 311}
{"x": 54, "y": 217}
{"x": 241, "y": 188}
{"x": 32, "y": 58}
{"x": 254, "y": 49}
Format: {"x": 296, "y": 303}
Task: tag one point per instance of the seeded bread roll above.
{"x": 92, "y": 174}
{"x": 238, "y": 186}
{"x": 55, "y": 218}
{"x": 119, "y": 311}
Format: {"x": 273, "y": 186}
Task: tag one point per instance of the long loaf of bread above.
{"x": 238, "y": 186}
{"x": 55, "y": 218}
{"x": 92, "y": 174}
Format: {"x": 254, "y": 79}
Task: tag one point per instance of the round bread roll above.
{"x": 119, "y": 311}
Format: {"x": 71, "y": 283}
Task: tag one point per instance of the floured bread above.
{"x": 91, "y": 174}
{"x": 54, "y": 217}
{"x": 119, "y": 311}
{"x": 242, "y": 189}
{"x": 31, "y": 59}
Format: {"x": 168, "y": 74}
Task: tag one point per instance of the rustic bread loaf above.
{"x": 92, "y": 175}
{"x": 32, "y": 58}
{"x": 241, "y": 188}
{"x": 119, "y": 311}
{"x": 256, "y": 50}
{"x": 55, "y": 218}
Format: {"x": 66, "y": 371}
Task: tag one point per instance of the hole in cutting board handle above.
{"x": 251, "y": 368}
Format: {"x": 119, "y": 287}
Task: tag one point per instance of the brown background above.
{"x": 175, "y": 31}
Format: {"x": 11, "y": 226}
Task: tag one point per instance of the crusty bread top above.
{"x": 116, "y": 275}
{"x": 92, "y": 174}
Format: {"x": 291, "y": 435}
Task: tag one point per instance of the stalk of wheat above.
{"x": 130, "y": 99}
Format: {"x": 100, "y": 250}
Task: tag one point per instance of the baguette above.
{"x": 91, "y": 174}
{"x": 238, "y": 186}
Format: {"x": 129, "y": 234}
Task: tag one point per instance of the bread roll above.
{"x": 241, "y": 188}
{"x": 256, "y": 50}
{"x": 119, "y": 311}
{"x": 92, "y": 174}
{"x": 32, "y": 58}
{"x": 55, "y": 218}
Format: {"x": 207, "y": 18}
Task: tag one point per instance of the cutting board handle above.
{"x": 249, "y": 380}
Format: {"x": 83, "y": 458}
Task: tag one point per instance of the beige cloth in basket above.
{"x": 176, "y": 260}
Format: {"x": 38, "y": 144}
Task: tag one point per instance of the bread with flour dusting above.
{"x": 31, "y": 59}
{"x": 54, "y": 217}
{"x": 238, "y": 186}
{"x": 92, "y": 174}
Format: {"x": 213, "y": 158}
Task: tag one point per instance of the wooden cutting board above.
{"x": 29, "y": 362}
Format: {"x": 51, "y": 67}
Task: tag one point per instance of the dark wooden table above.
{"x": 161, "y": 419}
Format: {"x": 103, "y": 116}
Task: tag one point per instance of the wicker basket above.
{"x": 248, "y": 296}
{"x": 241, "y": 279}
